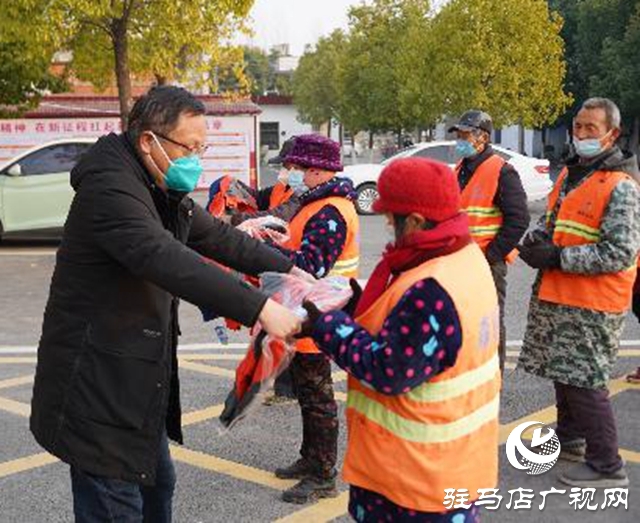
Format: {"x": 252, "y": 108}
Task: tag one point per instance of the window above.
{"x": 441, "y": 153}
{"x": 270, "y": 135}
{"x": 59, "y": 158}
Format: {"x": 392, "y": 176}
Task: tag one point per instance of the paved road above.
{"x": 226, "y": 476}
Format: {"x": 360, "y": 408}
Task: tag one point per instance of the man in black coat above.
{"x": 106, "y": 392}
{"x": 483, "y": 179}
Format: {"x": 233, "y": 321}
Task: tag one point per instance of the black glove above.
{"x": 541, "y": 255}
{"x": 635, "y": 306}
{"x": 313, "y": 313}
{"x": 350, "y": 307}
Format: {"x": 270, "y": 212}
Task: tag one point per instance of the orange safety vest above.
{"x": 477, "y": 199}
{"x": 578, "y": 223}
{"x": 279, "y": 194}
{"x": 347, "y": 263}
{"x": 444, "y": 433}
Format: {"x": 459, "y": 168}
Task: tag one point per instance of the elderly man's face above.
{"x": 590, "y": 123}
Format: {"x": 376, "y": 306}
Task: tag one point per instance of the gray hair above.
{"x": 610, "y": 109}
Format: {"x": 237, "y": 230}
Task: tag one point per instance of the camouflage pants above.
{"x": 311, "y": 375}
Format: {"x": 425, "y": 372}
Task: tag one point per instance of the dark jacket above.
{"x": 510, "y": 198}
{"x": 106, "y": 381}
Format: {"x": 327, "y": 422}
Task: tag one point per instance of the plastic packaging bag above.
{"x": 267, "y": 357}
{"x": 266, "y": 228}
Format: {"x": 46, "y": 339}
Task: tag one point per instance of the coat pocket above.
{"x": 119, "y": 384}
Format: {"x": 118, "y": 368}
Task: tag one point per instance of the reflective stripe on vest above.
{"x": 279, "y": 195}
{"x": 412, "y": 446}
{"x": 347, "y": 263}
{"x": 485, "y": 219}
{"x": 578, "y": 222}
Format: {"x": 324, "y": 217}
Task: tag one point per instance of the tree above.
{"x": 169, "y": 39}
{"x": 607, "y": 42}
{"x": 378, "y": 82}
{"x": 502, "y": 57}
{"x": 24, "y": 78}
{"x": 316, "y": 90}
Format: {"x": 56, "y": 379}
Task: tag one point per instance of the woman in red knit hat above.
{"x": 421, "y": 353}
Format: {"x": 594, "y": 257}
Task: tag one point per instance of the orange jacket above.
{"x": 279, "y": 195}
{"x": 347, "y": 263}
{"x": 444, "y": 433}
{"x": 485, "y": 219}
{"x": 578, "y": 223}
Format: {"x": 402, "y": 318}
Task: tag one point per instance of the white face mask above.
{"x": 283, "y": 176}
{"x": 296, "y": 181}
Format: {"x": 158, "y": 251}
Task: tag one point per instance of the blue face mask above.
{"x": 183, "y": 173}
{"x": 589, "y": 148}
{"x": 465, "y": 149}
{"x": 296, "y": 181}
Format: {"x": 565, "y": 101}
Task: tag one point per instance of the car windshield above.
{"x": 401, "y": 154}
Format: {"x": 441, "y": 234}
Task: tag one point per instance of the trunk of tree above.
{"x": 634, "y": 145}
{"x": 161, "y": 80}
{"x": 329, "y": 128}
{"x": 521, "y": 138}
{"x": 370, "y": 146}
{"x": 123, "y": 76}
{"x": 399, "y": 138}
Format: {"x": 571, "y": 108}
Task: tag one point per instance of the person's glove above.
{"x": 635, "y": 305}
{"x": 351, "y": 305}
{"x": 313, "y": 313}
{"x": 541, "y": 255}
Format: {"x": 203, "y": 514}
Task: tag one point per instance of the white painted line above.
{"x": 25, "y": 252}
{"x": 21, "y": 349}
{"x": 189, "y": 347}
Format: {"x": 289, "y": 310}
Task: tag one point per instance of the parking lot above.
{"x": 227, "y": 476}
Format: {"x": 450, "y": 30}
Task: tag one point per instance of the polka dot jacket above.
{"x": 325, "y": 233}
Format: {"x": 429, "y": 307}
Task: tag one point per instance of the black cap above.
{"x": 472, "y": 121}
{"x": 287, "y": 145}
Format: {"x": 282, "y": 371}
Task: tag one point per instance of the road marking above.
{"x": 193, "y": 347}
{"x": 26, "y": 349}
{"x": 16, "y": 382}
{"x": 323, "y": 510}
{"x": 17, "y": 359}
{"x": 26, "y": 252}
{"x": 229, "y": 468}
{"x": 206, "y": 369}
{"x": 211, "y": 357}
{"x": 15, "y": 407}
{"x": 27, "y": 463}
{"x": 198, "y": 416}
{"x": 548, "y": 415}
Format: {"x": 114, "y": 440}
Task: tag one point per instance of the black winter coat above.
{"x": 106, "y": 381}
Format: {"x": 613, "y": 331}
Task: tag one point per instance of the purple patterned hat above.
{"x": 314, "y": 150}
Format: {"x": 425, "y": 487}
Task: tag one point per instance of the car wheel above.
{"x": 367, "y": 194}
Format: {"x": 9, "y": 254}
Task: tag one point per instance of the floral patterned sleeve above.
{"x": 419, "y": 339}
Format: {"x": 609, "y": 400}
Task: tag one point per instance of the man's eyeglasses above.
{"x": 197, "y": 151}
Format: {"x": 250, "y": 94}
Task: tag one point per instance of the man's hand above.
{"x": 304, "y": 276}
{"x": 541, "y": 255}
{"x": 278, "y": 321}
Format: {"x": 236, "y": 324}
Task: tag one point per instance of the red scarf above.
{"x": 413, "y": 250}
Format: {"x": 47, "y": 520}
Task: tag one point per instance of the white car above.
{"x": 35, "y": 194}
{"x": 534, "y": 172}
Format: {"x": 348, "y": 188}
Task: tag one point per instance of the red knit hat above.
{"x": 418, "y": 185}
